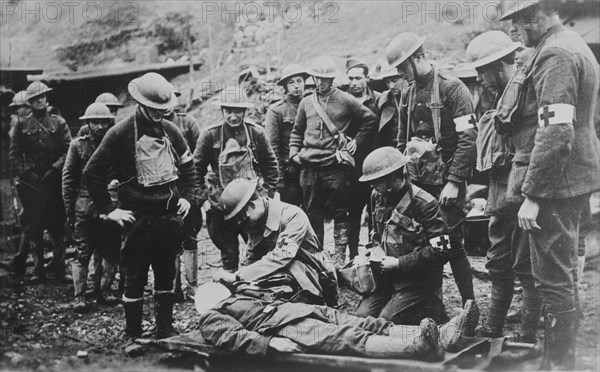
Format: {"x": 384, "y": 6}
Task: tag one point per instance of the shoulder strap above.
{"x": 405, "y": 201}
{"x": 332, "y": 128}
{"x": 410, "y": 94}
{"x": 436, "y": 106}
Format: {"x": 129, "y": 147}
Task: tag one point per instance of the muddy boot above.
{"x": 341, "y": 233}
{"x": 79, "y": 273}
{"x": 163, "y": 309}
{"x": 425, "y": 346}
{"x": 133, "y": 319}
{"x": 560, "y": 339}
{"x": 502, "y": 293}
{"x": 133, "y": 327}
{"x": 460, "y": 330}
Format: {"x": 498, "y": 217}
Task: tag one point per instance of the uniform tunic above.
{"x": 275, "y": 247}
{"x": 557, "y": 156}
{"x": 409, "y": 227}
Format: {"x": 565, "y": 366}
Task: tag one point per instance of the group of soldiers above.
{"x": 134, "y": 192}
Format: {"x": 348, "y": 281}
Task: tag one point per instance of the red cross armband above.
{"x": 441, "y": 242}
{"x": 558, "y": 113}
{"x": 465, "y": 122}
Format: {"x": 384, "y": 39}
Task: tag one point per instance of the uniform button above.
{"x": 419, "y": 104}
{"x": 421, "y": 121}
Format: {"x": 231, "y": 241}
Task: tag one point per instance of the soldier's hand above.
{"x": 121, "y": 216}
{"x": 351, "y": 147}
{"x": 527, "y": 215}
{"x": 389, "y": 263}
{"x": 183, "y": 207}
{"x": 224, "y": 276}
{"x": 285, "y": 345}
{"x": 449, "y": 194}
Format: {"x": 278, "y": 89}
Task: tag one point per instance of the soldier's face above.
{"x": 252, "y": 213}
{"x": 390, "y": 184}
{"x": 488, "y": 78}
{"x": 395, "y": 84}
{"x": 23, "y": 111}
{"x": 99, "y": 127}
{"x": 530, "y": 28}
{"x": 323, "y": 84}
{"x": 358, "y": 82}
{"x": 39, "y": 102}
{"x": 295, "y": 86}
{"x": 234, "y": 116}
{"x": 155, "y": 115}
{"x": 405, "y": 71}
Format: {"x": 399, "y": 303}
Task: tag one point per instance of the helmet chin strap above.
{"x": 414, "y": 67}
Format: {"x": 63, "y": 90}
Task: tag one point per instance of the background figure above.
{"x": 190, "y": 129}
{"x": 38, "y": 148}
{"x": 437, "y": 130}
{"x": 93, "y": 235}
{"x": 358, "y": 75}
{"x": 330, "y": 128}
{"x": 278, "y": 127}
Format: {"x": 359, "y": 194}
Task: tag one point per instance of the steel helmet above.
{"x": 382, "y": 70}
{"x": 97, "y": 111}
{"x": 37, "y": 88}
{"x": 290, "y": 71}
{"x": 208, "y": 295}
{"x": 382, "y": 162}
{"x": 489, "y": 47}
{"x": 323, "y": 67}
{"x": 235, "y": 98}
{"x": 236, "y": 195}
{"x": 20, "y": 99}
{"x": 109, "y": 100}
{"x": 154, "y": 91}
{"x": 402, "y": 47}
{"x": 518, "y": 7}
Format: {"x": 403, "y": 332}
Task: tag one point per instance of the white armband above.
{"x": 558, "y": 113}
{"x": 465, "y": 122}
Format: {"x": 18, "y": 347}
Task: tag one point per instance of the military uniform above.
{"x": 457, "y": 142}
{"x": 409, "y": 226}
{"x": 38, "y": 148}
{"x": 278, "y": 127}
{"x": 282, "y": 245}
{"x": 246, "y": 324}
{"x": 92, "y": 234}
{"x": 326, "y": 183}
{"x": 387, "y": 113}
{"x": 556, "y": 160}
{"x": 190, "y": 129}
{"x": 224, "y": 234}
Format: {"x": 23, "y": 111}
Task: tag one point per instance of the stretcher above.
{"x": 481, "y": 354}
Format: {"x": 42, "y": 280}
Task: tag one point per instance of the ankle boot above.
{"x": 18, "y": 263}
{"x": 502, "y": 293}
{"x": 560, "y": 339}
{"x": 530, "y": 319}
{"x": 425, "y": 346}
{"x": 79, "y": 273}
{"x": 340, "y": 236}
{"x": 459, "y": 331}
{"x": 133, "y": 319}
{"x": 163, "y": 309}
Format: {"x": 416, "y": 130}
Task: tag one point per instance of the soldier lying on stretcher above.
{"x": 256, "y": 320}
